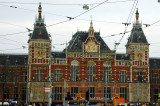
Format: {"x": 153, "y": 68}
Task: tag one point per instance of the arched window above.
{"x": 91, "y": 71}
{"x": 107, "y": 71}
{"x": 74, "y": 70}
{"x": 57, "y": 75}
{"x": 122, "y": 76}
{"x": 39, "y": 74}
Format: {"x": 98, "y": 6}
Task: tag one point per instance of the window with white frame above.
{"x": 39, "y": 75}
{"x": 74, "y": 70}
{"x": 108, "y": 94}
{"x": 122, "y": 76}
{"x": 139, "y": 76}
{"x": 23, "y": 93}
{"x": 91, "y": 71}
{"x": 58, "y": 93}
{"x": 57, "y": 75}
{"x": 91, "y": 92}
{"x": 107, "y": 71}
{"x": 156, "y": 92}
{"x": 74, "y": 91}
{"x": 123, "y": 92}
{"x": 15, "y": 92}
{"x": 6, "y": 93}
{"x": 150, "y": 78}
{"x": 16, "y": 76}
{"x": 155, "y": 78}
{"x": 24, "y": 76}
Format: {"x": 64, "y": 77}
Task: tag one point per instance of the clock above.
{"x": 91, "y": 47}
{"x": 40, "y": 53}
{"x": 139, "y": 55}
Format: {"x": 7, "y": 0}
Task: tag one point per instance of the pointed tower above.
{"x": 137, "y": 45}
{"x": 138, "y": 49}
{"x": 39, "y": 52}
{"x": 91, "y": 30}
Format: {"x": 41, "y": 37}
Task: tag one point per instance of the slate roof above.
{"x": 58, "y": 55}
{"x": 13, "y": 59}
{"x": 39, "y": 31}
{"x": 154, "y": 63}
{"x": 137, "y": 35}
{"x": 122, "y": 57}
{"x": 79, "y": 37}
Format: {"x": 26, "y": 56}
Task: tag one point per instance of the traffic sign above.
{"x": 78, "y": 95}
{"x": 51, "y": 95}
{"x": 47, "y": 89}
{"x": 116, "y": 96}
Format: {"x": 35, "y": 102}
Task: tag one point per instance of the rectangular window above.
{"x": 39, "y": 75}
{"x": 123, "y": 76}
{"x": 139, "y": 76}
{"x": 74, "y": 91}
{"x": 90, "y": 73}
{"x": 156, "y": 92}
{"x": 74, "y": 73}
{"x": 107, "y": 73}
{"x": 150, "y": 78}
{"x": 58, "y": 93}
{"x": 58, "y": 75}
{"x": 91, "y": 92}
{"x": 123, "y": 92}
{"x": 15, "y": 92}
{"x": 108, "y": 93}
{"x": 156, "y": 78}
{"x": 6, "y": 76}
{"x": 24, "y": 76}
{"x": 16, "y": 76}
{"x": 6, "y": 93}
{"x": 23, "y": 93}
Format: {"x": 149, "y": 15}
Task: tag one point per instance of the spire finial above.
{"x": 91, "y": 25}
{"x": 39, "y": 11}
{"x": 91, "y": 30}
{"x": 137, "y": 16}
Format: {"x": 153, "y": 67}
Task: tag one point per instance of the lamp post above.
{"x": 116, "y": 44}
{"x": 106, "y": 90}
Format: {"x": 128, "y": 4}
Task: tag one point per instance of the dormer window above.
{"x": 139, "y": 40}
{"x": 40, "y": 36}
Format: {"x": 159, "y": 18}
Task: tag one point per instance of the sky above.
{"x": 107, "y": 17}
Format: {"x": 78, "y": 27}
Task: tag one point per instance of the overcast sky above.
{"x": 107, "y": 18}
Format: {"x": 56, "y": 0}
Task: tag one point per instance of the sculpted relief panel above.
{"x": 139, "y": 91}
{"x": 36, "y": 92}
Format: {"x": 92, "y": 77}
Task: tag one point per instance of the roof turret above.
{"x": 91, "y": 30}
{"x": 39, "y": 31}
{"x": 137, "y": 35}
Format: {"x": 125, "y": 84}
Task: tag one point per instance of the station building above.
{"x": 87, "y": 66}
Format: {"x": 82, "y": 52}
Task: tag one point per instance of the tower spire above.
{"x": 91, "y": 30}
{"x": 39, "y": 11}
{"x": 137, "y": 16}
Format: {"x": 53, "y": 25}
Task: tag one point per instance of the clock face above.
{"x": 139, "y": 55}
{"x": 91, "y": 47}
{"x": 40, "y": 53}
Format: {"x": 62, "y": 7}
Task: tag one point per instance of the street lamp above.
{"x": 116, "y": 44}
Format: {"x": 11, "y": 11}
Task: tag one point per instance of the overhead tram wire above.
{"x": 65, "y": 4}
{"x": 70, "y": 18}
{"x": 13, "y": 41}
{"x": 128, "y": 20}
{"x": 14, "y": 33}
{"x": 11, "y": 49}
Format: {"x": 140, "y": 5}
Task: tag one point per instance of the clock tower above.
{"x": 138, "y": 49}
{"x": 137, "y": 45}
{"x": 39, "y": 52}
